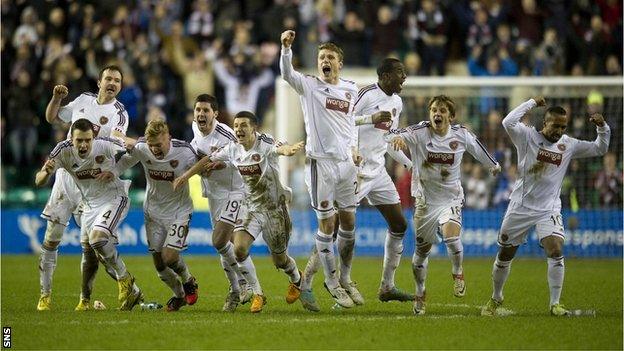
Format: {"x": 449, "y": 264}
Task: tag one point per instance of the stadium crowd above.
{"x": 171, "y": 51}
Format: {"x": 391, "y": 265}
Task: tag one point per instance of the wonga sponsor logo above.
{"x": 337, "y": 105}
{"x": 549, "y": 157}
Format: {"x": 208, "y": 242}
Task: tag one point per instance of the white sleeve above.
{"x": 122, "y": 119}
{"x": 399, "y": 156}
{"x": 358, "y": 107}
{"x": 126, "y": 161}
{"x": 294, "y": 78}
{"x": 222, "y": 154}
{"x": 478, "y": 150}
{"x": 517, "y": 130}
{"x": 597, "y": 147}
{"x": 65, "y": 112}
{"x": 408, "y": 134}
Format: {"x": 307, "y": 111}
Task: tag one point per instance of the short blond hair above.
{"x": 332, "y": 47}
{"x": 155, "y": 128}
{"x": 444, "y": 100}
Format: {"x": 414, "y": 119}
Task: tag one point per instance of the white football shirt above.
{"x": 371, "y": 142}
{"x": 102, "y": 158}
{"x": 260, "y": 170}
{"x": 160, "y": 199}
{"x": 105, "y": 118}
{"x": 223, "y": 181}
{"x": 541, "y": 164}
{"x": 436, "y": 173}
{"x": 327, "y": 112}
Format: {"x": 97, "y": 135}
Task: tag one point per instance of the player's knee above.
{"x": 50, "y": 245}
{"x": 553, "y": 252}
{"x": 506, "y": 254}
{"x": 54, "y": 232}
{"x": 398, "y": 226}
{"x": 240, "y": 252}
{"x": 347, "y": 220}
{"x": 423, "y": 250}
{"x": 280, "y": 260}
{"x": 169, "y": 257}
{"x": 97, "y": 236}
{"x": 219, "y": 239}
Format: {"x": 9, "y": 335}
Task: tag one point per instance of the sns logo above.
{"x": 337, "y": 105}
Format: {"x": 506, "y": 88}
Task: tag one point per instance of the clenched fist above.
{"x": 288, "y": 37}
{"x": 60, "y": 91}
{"x": 540, "y": 100}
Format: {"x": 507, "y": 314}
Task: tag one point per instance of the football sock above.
{"x": 170, "y": 278}
{"x": 248, "y": 270}
{"x": 325, "y": 248}
{"x": 230, "y": 267}
{"x": 311, "y": 268}
{"x": 47, "y": 264}
{"x": 500, "y": 272}
{"x": 181, "y": 269}
{"x": 107, "y": 251}
{"x": 393, "y": 248}
{"x": 419, "y": 268}
{"x": 291, "y": 270}
{"x": 88, "y": 268}
{"x": 556, "y": 270}
{"x": 345, "y": 243}
{"x": 455, "y": 251}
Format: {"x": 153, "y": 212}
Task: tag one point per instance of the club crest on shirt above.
{"x": 453, "y": 145}
{"x": 394, "y": 112}
{"x": 348, "y": 95}
{"x": 99, "y": 158}
{"x": 173, "y": 163}
{"x": 96, "y": 130}
{"x": 324, "y": 204}
{"x": 337, "y": 105}
{"x": 549, "y": 157}
{"x": 255, "y": 157}
{"x": 561, "y": 147}
{"x": 103, "y": 120}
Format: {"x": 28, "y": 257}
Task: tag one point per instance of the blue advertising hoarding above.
{"x": 589, "y": 233}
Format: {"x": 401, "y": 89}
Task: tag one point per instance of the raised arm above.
{"x": 294, "y": 78}
{"x": 597, "y": 147}
{"x": 126, "y": 161}
{"x": 52, "y": 110}
{"x": 516, "y": 129}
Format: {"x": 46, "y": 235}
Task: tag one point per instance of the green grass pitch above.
{"x": 450, "y": 323}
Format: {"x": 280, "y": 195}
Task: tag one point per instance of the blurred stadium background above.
{"x": 488, "y": 55}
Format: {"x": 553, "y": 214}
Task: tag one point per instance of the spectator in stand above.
{"x": 431, "y": 37}
{"x": 412, "y": 64}
{"x": 22, "y": 118}
{"x": 497, "y": 66}
{"x": 200, "y": 24}
{"x": 385, "y": 38}
{"x": 528, "y": 18}
{"x": 503, "y": 41}
{"x": 548, "y": 59}
{"x": 609, "y": 182}
{"x": 349, "y": 36}
{"x": 480, "y": 32}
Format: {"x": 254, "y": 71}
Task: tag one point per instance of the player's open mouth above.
{"x": 159, "y": 155}
{"x": 437, "y": 120}
{"x": 326, "y": 70}
{"x": 110, "y": 89}
{"x": 201, "y": 121}
{"x": 82, "y": 152}
{"x": 240, "y": 135}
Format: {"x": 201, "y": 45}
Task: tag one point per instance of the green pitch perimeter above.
{"x": 450, "y": 323}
